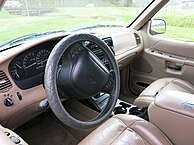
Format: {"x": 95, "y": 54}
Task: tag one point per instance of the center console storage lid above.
{"x": 176, "y": 101}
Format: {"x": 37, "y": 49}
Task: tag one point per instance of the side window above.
{"x": 179, "y": 18}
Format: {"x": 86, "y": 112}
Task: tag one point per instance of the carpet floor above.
{"x": 46, "y": 129}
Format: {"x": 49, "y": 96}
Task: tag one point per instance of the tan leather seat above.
{"x": 126, "y": 130}
{"x": 148, "y": 95}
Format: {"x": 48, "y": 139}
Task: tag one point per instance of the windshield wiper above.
{"x": 29, "y": 37}
{"x": 95, "y": 26}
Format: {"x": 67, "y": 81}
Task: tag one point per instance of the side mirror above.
{"x": 158, "y": 26}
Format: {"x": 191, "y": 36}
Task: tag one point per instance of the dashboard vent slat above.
{"x": 100, "y": 54}
{"x": 5, "y": 84}
{"x": 98, "y": 51}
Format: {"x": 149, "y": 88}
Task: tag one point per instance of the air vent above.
{"x": 5, "y": 84}
{"x": 137, "y": 38}
{"x": 99, "y": 53}
{"x": 109, "y": 42}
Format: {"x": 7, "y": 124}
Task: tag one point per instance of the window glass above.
{"x": 22, "y": 17}
{"x": 179, "y": 17}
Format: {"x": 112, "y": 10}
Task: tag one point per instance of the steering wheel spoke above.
{"x": 108, "y": 87}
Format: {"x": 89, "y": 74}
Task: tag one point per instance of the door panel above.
{"x": 162, "y": 58}
{"x": 179, "y": 48}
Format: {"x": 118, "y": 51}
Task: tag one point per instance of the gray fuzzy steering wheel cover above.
{"x": 51, "y": 87}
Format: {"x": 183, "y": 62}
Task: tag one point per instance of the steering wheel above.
{"x": 74, "y": 71}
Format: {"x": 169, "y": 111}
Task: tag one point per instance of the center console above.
{"x": 173, "y": 113}
{"x": 123, "y": 107}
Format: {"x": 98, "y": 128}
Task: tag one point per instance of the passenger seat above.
{"x": 164, "y": 84}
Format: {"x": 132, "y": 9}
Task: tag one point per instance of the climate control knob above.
{"x": 8, "y": 102}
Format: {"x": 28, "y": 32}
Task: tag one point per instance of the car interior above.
{"x": 119, "y": 86}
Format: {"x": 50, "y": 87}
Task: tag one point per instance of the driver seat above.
{"x": 124, "y": 130}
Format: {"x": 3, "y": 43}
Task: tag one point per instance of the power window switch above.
{"x": 15, "y": 139}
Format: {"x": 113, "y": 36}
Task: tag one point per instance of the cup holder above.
{"x": 120, "y": 110}
{"x": 125, "y": 105}
{"x": 136, "y": 111}
{"x": 125, "y": 108}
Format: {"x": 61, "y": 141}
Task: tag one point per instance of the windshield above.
{"x": 23, "y": 17}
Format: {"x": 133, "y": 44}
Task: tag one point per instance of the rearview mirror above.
{"x": 158, "y": 26}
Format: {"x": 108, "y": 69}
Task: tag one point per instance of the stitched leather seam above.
{"x": 185, "y": 84}
{"x": 119, "y": 135}
{"x": 138, "y": 135}
{"x": 123, "y": 130}
{"x": 127, "y": 128}
{"x": 132, "y": 129}
{"x": 141, "y": 136}
{"x": 126, "y": 124}
{"x": 163, "y": 135}
{"x": 164, "y": 86}
{"x": 158, "y": 131}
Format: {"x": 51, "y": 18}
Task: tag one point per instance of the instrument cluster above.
{"x": 27, "y": 69}
{"x": 30, "y": 65}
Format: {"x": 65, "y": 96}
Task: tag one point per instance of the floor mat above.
{"x": 46, "y": 132}
{"x": 46, "y": 129}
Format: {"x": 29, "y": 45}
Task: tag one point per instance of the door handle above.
{"x": 174, "y": 65}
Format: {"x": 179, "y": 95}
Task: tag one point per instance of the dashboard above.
{"x": 22, "y": 94}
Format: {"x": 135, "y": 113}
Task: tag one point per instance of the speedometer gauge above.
{"x": 29, "y": 61}
{"x": 41, "y": 58}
